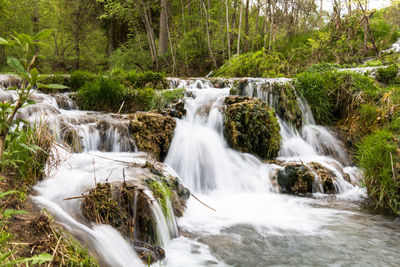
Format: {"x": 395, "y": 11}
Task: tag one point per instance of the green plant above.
{"x": 79, "y": 78}
{"x": 102, "y": 94}
{"x": 25, "y": 45}
{"x": 387, "y": 75}
{"x": 163, "y": 193}
{"x": 377, "y": 156}
{"x": 26, "y": 152}
{"x": 257, "y": 64}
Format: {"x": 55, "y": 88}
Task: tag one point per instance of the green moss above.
{"x": 163, "y": 193}
{"x": 152, "y": 132}
{"x": 378, "y": 156}
{"x": 287, "y": 106}
{"x": 251, "y": 126}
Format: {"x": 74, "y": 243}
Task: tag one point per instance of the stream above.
{"x": 253, "y": 225}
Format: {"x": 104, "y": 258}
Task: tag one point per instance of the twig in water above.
{"x": 201, "y": 202}
{"x": 94, "y": 173}
{"x": 71, "y": 198}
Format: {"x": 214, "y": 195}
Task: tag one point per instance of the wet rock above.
{"x": 326, "y": 177}
{"x": 295, "y": 179}
{"x": 64, "y": 102}
{"x": 71, "y": 138}
{"x": 176, "y": 110}
{"x": 252, "y": 127}
{"x": 152, "y": 132}
{"x": 285, "y": 102}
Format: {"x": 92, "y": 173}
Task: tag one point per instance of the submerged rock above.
{"x": 252, "y": 127}
{"x": 128, "y": 206}
{"x": 295, "y": 179}
{"x": 152, "y": 132}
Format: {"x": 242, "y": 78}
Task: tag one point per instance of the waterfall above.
{"x": 252, "y": 225}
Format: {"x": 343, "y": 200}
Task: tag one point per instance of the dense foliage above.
{"x": 184, "y": 38}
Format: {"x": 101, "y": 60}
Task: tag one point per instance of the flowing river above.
{"x": 253, "y": 225}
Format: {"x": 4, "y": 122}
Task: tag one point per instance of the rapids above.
{"x": 253, "y": 224}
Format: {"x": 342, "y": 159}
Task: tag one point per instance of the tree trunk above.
{"x": 240, "y": 28}
{"x": 321, "y": 18}
{"x": 227, "y": 29}
{"x": 246, "y": 28}
{"x": 163, "y": 46}
{"x": 208, "y": 38}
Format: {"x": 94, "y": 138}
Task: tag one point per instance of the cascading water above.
{"x": 253, "y": 225}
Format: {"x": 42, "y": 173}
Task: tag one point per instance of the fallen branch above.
{"x": 201, "y": 202}
{"x": 71, "y": 198}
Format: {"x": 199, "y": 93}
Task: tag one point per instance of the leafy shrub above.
{"x": 56, "y": 79}
{"x": 387, "y": 75}
{"x": 142, "y": 79}
{"x": 149, "y": 99}
{"x": 377, "y": 156}
{"x": 79, "y": 78}
{"x": 258, "y": 64}
{"x": 102, "y": 94}
{"x": 26, "y": 152}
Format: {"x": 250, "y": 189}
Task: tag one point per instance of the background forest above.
{"x": 192, "y": 38}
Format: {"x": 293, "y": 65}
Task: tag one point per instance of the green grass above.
{"x": 376, "y": 154}
{"x": 102, "y": 94}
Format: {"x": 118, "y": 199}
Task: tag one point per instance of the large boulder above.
{"x": 152, "y": 132}
{"x": 252, "y": 127}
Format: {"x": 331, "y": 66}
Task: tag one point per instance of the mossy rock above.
{"x": 285, "y": 103}
{"x": 127, "y": 206}
{"x": 299, "y": 179}
{"x": 113, "y": 204}
{"x": 152, "y": 132}
{"x": 252, "y": 127}
{"x": 295, "y": 179}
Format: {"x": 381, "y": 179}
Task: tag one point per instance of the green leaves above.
{"x": 17, "y": 66}
{"x": 42, "y": 34}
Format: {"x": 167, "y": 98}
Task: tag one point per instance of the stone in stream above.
{"x": 128, "y": 207}
{"x": 297, "y": 178}
{"x": 252, "y": 127}
{"x": 152, "y": 132}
